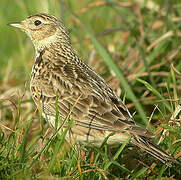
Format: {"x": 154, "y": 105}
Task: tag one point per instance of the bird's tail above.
{"x": 153, "y": 149}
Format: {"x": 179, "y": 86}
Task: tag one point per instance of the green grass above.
{"x": 135, "y": 48}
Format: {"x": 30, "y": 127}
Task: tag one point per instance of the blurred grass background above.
{"x": 135, "y": 45}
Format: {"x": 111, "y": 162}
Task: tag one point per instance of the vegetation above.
{"x": 135, "y": 45}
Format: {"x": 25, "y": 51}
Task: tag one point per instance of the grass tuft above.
{"x": 135, "y": 46}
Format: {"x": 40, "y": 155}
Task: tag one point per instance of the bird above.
{"x": 61, "y": 83}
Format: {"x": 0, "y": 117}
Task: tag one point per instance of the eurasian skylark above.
{"x": 60, "y": 79}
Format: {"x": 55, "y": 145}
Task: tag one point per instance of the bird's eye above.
{"x": 37, "y": 22}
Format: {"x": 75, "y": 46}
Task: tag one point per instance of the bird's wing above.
{"x": 94, "y": 103}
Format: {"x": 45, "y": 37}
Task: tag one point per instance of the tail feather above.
{"x": 153, "y": 149}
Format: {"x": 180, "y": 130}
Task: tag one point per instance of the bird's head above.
{"x": 43, "y": 29}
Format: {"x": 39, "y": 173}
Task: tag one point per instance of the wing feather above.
{"x": 71, "y": 80}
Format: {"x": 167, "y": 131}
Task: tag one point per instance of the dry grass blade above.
{"x": 101, "y": 3}
{"x": 156, "y": 42}
{"x": 149, "y": 120}
{"x": 5, "y": 127}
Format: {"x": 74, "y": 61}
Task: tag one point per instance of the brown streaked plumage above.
{"x": 60, "y": 78}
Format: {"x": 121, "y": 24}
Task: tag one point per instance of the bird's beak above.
{"x": 17, "y": 25}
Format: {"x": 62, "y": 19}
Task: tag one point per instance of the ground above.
{"x": 135, "y": 46}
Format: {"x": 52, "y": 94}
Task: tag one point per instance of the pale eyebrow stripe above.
{"x": 38, "y": 15}
{"x": 44, "y": 16}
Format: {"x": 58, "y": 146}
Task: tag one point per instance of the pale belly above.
{"x": 91, "y": 137}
